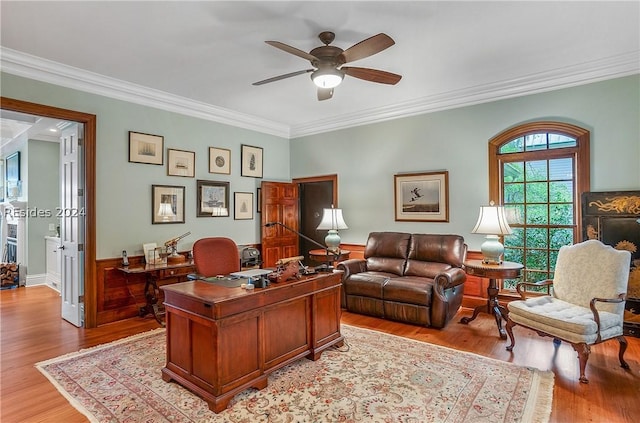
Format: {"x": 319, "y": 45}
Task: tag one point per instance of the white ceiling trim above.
{"x": 33, "y": 67}
{"x": 585, "y": 73}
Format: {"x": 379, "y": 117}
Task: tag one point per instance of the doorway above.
{"x": 316, "y": 194}
{"x": 282, "y": 207}
{"x": 88, "y": 144}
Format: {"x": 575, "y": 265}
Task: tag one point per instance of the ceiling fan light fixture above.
{"x": 327, "y": 78}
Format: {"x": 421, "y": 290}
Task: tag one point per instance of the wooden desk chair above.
{"x": 586, "y": 305}
{"x": 215, "y": 256}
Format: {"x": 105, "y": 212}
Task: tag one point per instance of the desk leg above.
{"x": 492, "y": 307}
{"x": 151, "y": 293}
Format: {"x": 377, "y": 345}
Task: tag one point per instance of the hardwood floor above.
{"x": 31, "y": 330}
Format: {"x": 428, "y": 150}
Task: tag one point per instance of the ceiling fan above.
{"x": 328, "y": 72}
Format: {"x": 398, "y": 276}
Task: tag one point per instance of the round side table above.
{"x": 504, "y": 270}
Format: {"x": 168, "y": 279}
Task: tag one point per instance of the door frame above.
{"x": 89, "y": 157}
{"x": 324, "y": 178}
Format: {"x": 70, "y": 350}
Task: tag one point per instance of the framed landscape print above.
{"x": 219, "y": 160}
{"x": 146, "y": 148}
{"x": 422, "y": 197}
{"x": 213, "y": 199}
{"x": 251, "y": 159}
{"x": 243, "y": 202}
{"x": 181, "y": 163}
{"x": 167, "y": 204}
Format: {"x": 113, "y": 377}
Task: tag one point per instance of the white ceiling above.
{"x": 201, "y": 57}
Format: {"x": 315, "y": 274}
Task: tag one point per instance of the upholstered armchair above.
{"x": 215, "y": 256}
{"x": 586, "y": 301}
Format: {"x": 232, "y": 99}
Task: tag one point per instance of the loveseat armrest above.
{"x": 448, "y": 290}
{"x": 449, "y": 278}
{"x": 351, "y": 267}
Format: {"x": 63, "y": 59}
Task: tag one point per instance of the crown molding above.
{"x": 44, "y": 70}
{"x": 565, "y": 77}
{"x": 33, "y": 67}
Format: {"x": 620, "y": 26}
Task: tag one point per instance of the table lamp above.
{"x": 492, "y": 221}
{"x": 332, "y": 220}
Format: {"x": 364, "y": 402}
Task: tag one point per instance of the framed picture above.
{"x": 146, "y": 148}
{"x": 243, "y": 202}
{"x": 219, "y": 160}
{"x": 2, "y": 180}
{"x": 12, "y": 173}
{"x": 259, "y": 201}
{"x": 13, "y": 167}
{"x": 251, "y": 159}
{"x": 422, "y": 197}
{"x": 181, "y": 163}
{"x": 167, "y": 204}
{"x": 213, "y": 199}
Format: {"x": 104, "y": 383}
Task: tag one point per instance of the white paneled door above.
{"x": 71, "y": 214}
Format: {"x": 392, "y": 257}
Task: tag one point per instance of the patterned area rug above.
{"x": 375, "y": 377}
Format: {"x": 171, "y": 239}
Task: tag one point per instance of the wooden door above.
{"x": 279, "y": 204}
{"x": 71, "y": 225}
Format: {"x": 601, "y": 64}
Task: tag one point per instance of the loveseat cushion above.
{"x": 367, "y": 284}
{"x": 430, "y": 254}
{"x": 387, "y": 252}
{"x": 409, "y": 289}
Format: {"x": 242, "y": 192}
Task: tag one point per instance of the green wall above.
{"x": 123, "y": 197}
{"x": 366, "y": 158}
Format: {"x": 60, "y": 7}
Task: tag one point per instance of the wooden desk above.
{"x": 221, "y": 341}
{"x": 506, "y": 270}
{"x": 158, "y": 274}
{"x": 320, "y": 256}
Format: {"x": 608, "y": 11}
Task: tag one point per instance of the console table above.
{"x": 158, "y": 274}
{"x": 221, "y": 340}
{"x": 505, "y": 270}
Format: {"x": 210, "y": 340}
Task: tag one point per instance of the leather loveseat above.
{"x": 414, "y": 278}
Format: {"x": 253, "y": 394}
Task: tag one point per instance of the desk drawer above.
{"x": 172, "y": 273}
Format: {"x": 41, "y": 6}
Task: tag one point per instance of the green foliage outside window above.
{"x": 538, "y": 196}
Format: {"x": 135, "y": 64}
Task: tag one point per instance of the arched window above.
{"x": 538, "y": 171}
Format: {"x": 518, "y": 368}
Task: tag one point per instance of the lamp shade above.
{"x": 492, "y": 221}
{"x": 332, "y": 219}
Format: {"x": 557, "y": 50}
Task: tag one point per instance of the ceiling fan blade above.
{"x": 366, "y": 48}
{"x": 372, "y": 75}
{"x": 279, "y": 77}
{"x": 292, "y": 50}
{"x": 325, "y": 93}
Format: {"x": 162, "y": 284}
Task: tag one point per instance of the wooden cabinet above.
{"x": 221, "y": 341}
{"x": 52, "y": 258}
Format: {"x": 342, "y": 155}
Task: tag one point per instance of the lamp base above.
{"x": 332, "y": 241}
{"x": 492, "y": 250}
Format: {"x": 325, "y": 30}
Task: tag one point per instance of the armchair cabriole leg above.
{"x": 623, "y": 347}
{"x": 583, "y": 351}
{"x": 509, "y": 327}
